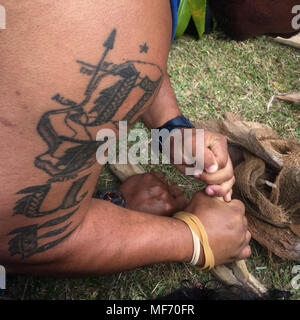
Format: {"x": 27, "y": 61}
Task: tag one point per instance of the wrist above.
{"x": 186, "y": 246}
{"x": 199, "y": 234}
{"x": 155, "y": 120}
{"x": 113, "y": 195}
{"x": 190, "y": 254}
{"x": 177, "y": 123}
{"x": 185, "y": 242}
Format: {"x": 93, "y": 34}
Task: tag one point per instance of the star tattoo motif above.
{"x": 144, "y": 48}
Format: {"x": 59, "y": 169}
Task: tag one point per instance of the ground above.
{"x": 210, "y": 76}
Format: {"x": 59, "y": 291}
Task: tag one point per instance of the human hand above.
{"x": 218, "y": 170}
{"x": 226, "y": 227}
{"x": 150, "y": 193}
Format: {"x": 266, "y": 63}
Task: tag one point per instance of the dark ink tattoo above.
{"x": 26, "y": 240}
{"x": 144, "y": 48}
{"x": 71, "y": 149}
{"x": 61, "y": 161}
{"x": 30, "y": 205}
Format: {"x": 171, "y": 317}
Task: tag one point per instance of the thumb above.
{"x": 210, "y": 161}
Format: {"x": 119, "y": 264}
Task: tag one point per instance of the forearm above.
{"x": 164, "y": 107}
{"x": 112, "y": 239}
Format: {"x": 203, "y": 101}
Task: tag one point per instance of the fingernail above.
{"x": 197, "y": 173}
{"x": 212, "y": 169}
{"x": 210, "y": 192}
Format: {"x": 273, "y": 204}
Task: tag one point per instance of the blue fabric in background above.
{"x": 174, "y": 6}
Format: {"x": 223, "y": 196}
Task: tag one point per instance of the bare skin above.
{"x": 68, "y": 69}
{"x": 150, "y": 193}
{"x": 158, "y": 196}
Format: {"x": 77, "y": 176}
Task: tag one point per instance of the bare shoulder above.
{"x": 68, "y": 69}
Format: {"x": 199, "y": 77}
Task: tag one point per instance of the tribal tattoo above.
{"x": 72, "y": 149}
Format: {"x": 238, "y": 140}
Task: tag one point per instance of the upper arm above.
{"x": 68, "y": 69}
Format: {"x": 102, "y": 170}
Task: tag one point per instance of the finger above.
{"x": 221, "y": 190}
{"x": 219, "y": 148}
{"x": 246, "y": 241}
{"x": 210, "y": 163}
{"x": 220, "y": 176}
{"x": 228, "y": 196}
{"x": 245, "y": 221}
{"x": 248, "y": 237}
{"x": 237, "y": 205}
{"x": 246, "y": 252}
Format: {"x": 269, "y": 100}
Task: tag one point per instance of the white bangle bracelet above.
{"x": 197, "y": 247}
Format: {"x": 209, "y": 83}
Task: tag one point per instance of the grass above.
{"x": 210, "y": 76}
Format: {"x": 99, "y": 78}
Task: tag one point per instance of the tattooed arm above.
{"x": 164, "y": 108}
{"x": 112, "y": 239}
{"x": 68, "y": 69}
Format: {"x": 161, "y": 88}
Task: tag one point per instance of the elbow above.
{"x": 39, "y": 264}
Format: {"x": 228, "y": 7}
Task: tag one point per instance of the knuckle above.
{"x": 248, "y": 236}
{"x": 239, "y": 232}
{"x": 164, "y": 194}
{"x": 241, "y": 236}
{"x": 239, "y": 205}
{"x": 242, "y": 208}
{"x": 237, "y": 219}
{"x": 222, "y": 138}
{"x": 246, "y": 252}
{"x": 245, "y": 222}
{"x": 168, "y": 206}
{"x": 230, "y": 173}
{"x": 223, "y": 161}
{"x": 157, "y": 191}
{"x": 233, "y": 180}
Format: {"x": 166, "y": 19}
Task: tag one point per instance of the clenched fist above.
{"x": 226, "y": 227}
{"x": 218, "y": 170}
{"x": 150, "y": 193}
